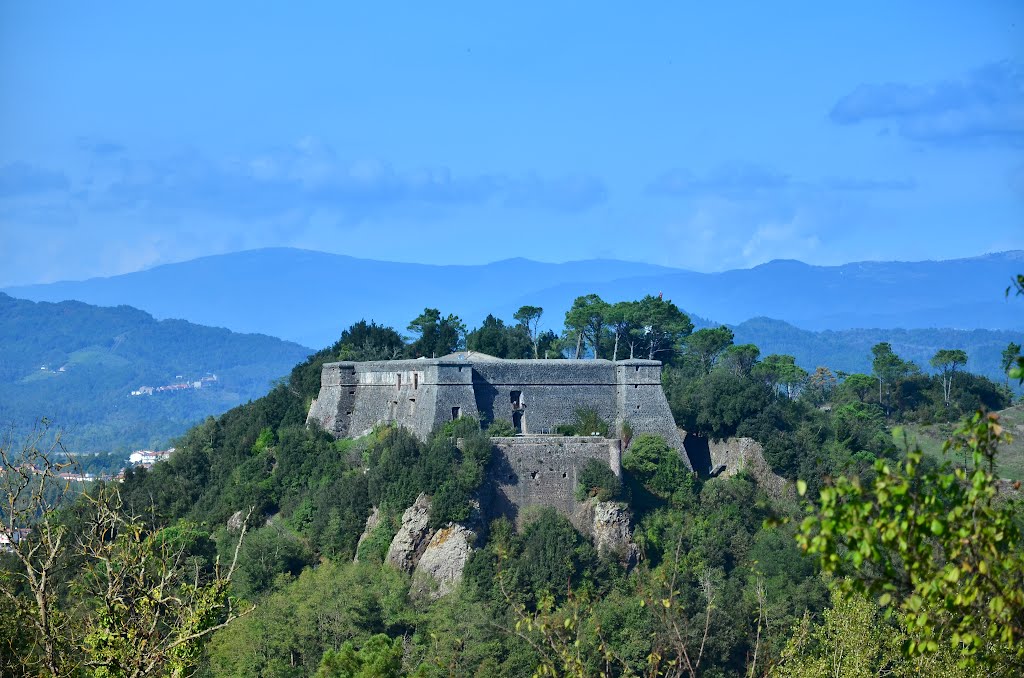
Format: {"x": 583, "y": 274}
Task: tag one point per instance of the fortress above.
{"x": 537, "y": 467}
{"x": 535, "y": 396}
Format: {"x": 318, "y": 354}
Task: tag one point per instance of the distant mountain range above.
{"x": 309, "y": 297}
{"x": 77, "y": 365}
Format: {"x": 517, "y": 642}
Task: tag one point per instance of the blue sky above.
{"x": 705, "y": 136}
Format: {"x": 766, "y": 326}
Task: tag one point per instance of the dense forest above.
{"x": 241, "y": 554}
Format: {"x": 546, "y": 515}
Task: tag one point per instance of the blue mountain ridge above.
{"x": 309, "y": 297}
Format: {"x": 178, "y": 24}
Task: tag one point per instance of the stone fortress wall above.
{"x": 544, "y": 471}
{"x": 536, "y": 396}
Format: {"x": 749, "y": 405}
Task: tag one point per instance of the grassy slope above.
{"x": 1011, "y": 466}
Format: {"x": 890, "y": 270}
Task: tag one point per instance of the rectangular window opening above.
{"x": 456, "y": 413}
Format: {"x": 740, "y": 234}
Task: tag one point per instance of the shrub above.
{"x": 597, "y": 480}
{"x": 500, "y": 428}
{"x": 460, "y": 428}
{"x": 587, "y": 422}
{"x": 657, "y": 467}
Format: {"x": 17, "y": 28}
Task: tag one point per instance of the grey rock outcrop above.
{"x": 612, "y": 533}
{"x": 412, "y": 537}
{"x": 746, "y": 454}
{"x": 440, "y": 567}
{"x": 236, "y": 521}
{"x": 372, "y": 521}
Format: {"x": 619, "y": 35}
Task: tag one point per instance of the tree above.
{"x": 859, "y": 385}
{"x": 622, "y": 317}
{"x": 379, "y": 657}
{"x": 437, "y": 336}
{"x": 938, "y": 546}
{"x": 96, "y": 587}
{"x": 1009, "y": 357}
{"x": 587, "y": 320}
{"x": 499, "y": 340}
{"x": 946, "y": 361}
{"x": 821, "y": 384}
{"x": 781, "y": 370}
{"x": 741, "y": 358}
{"x": 529, "y": 317}
{"x": 707, "y": 345}
{"x": 888, "y": 369}
{"x": 665, "y": 326}
{"x": 1016, "y": 371}
{"x": 369, "y": 341}
{"x": 656, "y": 466}
{"x": 854, "y": 640}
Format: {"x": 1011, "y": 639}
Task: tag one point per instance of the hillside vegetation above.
{"x": 1011, "y": 461}
{"x": 95, "y": 357}
{"x": 721, "y": 587}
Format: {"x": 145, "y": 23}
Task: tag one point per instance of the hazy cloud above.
{"x": 310, "y": 176}
{"x": 570, "y": 194}
{"x": 754, "y": 182}
{"x": 100, "y": 147}
{"x": 22, "y": 179}
{"x": 739, "y": 181}
{"x": 849, "y": 184}
{"x": 986, "y": 105}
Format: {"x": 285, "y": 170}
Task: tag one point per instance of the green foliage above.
{"x": 1009, "y": 360}
{"x": 459, "y": 428}
{"x": 659, "y": 469}
{"x": 266, "y": 554}
{"x": 665, "y": 326}
{"x": 597, "y": 480}
{"x": 501, "y": 428}
{"x": 938, "y": 546}
{"x": 437, "y": 336}
{"x": 369, "y": 341}
{"x": 854, "y": 640}
{"x": 374, "y": 548}
{"x": 324, "y": 607}
{"x": 781, "y": 371}
{"x": 264, "y": 440}
{"x": 587, "y": 321}
{"x": 554, "y": 556}
{"x": 379, "y": 657}
{"x": 715, "y": 405}
{"x": 704, "y": 347}
{"x": 586, "y": 422}
{"x": 501, "y": 341}
{"x": 528, "y": 318}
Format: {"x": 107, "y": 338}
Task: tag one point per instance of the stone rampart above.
{"x": 544, "y": 471}
{"x": 536, "y": 396}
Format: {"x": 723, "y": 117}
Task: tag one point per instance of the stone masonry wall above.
{"x": 543, "y": 471}
{"x": 418, "y": 394}
{"x": 535, "y": 395}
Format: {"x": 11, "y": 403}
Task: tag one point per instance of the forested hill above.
{"x": 315, "y": 295}
{"x": 77, "y": 365}
{"x": 850, "y": 350}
